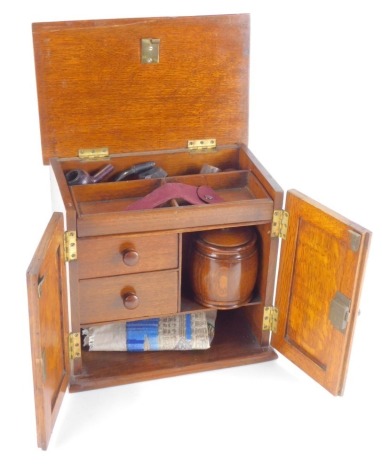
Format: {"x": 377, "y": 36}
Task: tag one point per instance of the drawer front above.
{"x": 125, "y": 254}
{"x": 128, "y": 297}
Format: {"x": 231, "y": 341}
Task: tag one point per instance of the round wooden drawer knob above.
{"x": 130, "y": 257}
{"x": 130, "y": 300}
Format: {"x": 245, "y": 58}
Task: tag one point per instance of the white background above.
{"x": 315, "y": 123}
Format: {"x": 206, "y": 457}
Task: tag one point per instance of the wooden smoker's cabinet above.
{"x": 147, "y": 89}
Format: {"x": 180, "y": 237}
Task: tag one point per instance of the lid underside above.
{"x": 94, "y": 91}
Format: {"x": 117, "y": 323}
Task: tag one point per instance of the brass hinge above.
{"x": 280, "y": 223}
{"x": 202, "y": 144}
{"x": 70, "y": 245}
{"x": 74, "y": 345}
{"x": 93, "y": 154}
{"x": 270, "y": 319}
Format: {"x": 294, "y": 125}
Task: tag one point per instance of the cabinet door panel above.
{"x": 320, "y": 276}
{"x": 48, "y": 316}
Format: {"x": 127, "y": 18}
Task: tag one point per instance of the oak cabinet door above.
{"x": 321, "y": 269}
{"x": 48, "y": 316}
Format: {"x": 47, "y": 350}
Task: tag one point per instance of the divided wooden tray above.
{"x": 101, "y": 207}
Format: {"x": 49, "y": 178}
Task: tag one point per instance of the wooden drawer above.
{"x": 125, "y": 254}
{"x": 128, "y": 297}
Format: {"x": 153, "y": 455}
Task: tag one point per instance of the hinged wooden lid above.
{"x": 98, "y": 85}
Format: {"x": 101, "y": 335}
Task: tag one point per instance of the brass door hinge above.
{"x": 280, "y": 223}
{"x": 74, "y": 345}
{"x": 93, "y": 154}
{"x": 70, "y": 245}
{"x": 270, "y": 319}
{"x": 202, "y": 144}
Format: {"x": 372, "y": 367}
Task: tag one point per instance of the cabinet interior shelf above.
{"x": 233, "y": 345}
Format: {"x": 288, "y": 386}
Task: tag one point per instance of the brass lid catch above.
{"x": 339, "y": 311}
{"x": 150, "y": 51}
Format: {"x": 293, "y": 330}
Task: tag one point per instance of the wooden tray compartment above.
{"x": 101, "y": 207}
{"x": 174, "y": 162}
{"x": 240, "y": 185}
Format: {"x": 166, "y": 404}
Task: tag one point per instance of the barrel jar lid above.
{"x": 233, "y": 237}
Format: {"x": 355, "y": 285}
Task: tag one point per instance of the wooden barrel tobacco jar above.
{"x": 224, "y": 266}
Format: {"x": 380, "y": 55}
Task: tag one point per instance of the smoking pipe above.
{"x": 75, "y": 177}
{"x": 134, "y": 170}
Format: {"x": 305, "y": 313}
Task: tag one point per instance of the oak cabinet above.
{"x": 172, "y": 91}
